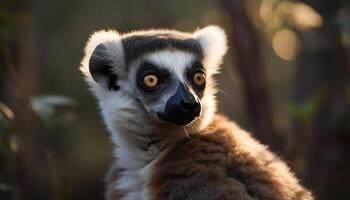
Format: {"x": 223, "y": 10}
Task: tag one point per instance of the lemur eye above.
{"x": 150, "y": 80}
{"x": 196, "y": 75}
{"x": 199, "y": 78}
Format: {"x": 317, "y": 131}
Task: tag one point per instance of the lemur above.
{"x": 156, "y": 92}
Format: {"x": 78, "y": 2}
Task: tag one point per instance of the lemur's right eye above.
{"x": 196, "y": 76}
{"x": 150, "y": 81}
{"x": 199, "y": 79}
{"x": 150, "y": 77}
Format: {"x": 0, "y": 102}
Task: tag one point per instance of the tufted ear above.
{"x": 104, "y": 59}
{"x": 214, "y": 44}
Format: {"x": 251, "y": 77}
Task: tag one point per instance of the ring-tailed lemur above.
{"x": 156, "y": 93}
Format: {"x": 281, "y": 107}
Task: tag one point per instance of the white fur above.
{"x": 113, "y": 107}
{"x": 174, "y": 60}
{"x": 214, "y": 43}
{"x": 115, "y": 51}
{"x": 119, "y": 113}
{"x": 128, "y": 121}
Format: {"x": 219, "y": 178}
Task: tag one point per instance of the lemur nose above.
{"x": 189, "y": 105}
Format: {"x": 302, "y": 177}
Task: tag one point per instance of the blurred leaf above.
{"x": 5, "y": 135}
{"x": 6, "y": 115}
{"x": 45, "y": 106}
{"x": 3, "y": 122}
{"x": 295, "y": 110}
{"x": 311, "y": 107}
{"x": 306, "y": 110}
{"x": 6, "y": 111}
{"x": 7, "y": 20}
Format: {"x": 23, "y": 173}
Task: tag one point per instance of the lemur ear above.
{"x": 214, "y": 44}
{"x": 104, "y": 59}
{"x": 101, "y": 67}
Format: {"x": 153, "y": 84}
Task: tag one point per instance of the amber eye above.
{"x": 199, "y": 78}
{"x": 150, "y": 80}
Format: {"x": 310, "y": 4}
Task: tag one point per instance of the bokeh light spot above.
{"x": 285, "y": 44}
{"x": 304, "y": 17}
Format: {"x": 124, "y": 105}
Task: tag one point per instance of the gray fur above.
{"x": 100, "y": 66}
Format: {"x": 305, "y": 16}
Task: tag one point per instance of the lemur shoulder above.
{"x": 156, "y": 93}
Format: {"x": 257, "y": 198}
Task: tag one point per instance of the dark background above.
{"x": 285, "y": 79}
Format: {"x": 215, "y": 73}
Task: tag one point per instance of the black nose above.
{"x": 189, "y": 105}
{"x": 181, "y": 108}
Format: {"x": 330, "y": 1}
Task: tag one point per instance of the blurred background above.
{"x": 285, "y": 79}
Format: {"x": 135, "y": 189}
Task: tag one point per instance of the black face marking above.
{"x": 181, "y": 108}
{"x": 100, "y": 67}
{"x": 111, "y": 84}
{"x": 137, "y": 44}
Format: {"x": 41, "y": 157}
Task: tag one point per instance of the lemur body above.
{"x": 157, "y": 96}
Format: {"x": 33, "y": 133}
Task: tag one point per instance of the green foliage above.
{"x": 308, "y": 109}
{"x": 7, "y": 21}
{"x": 305, "y": 111}
{"x": 5, "y": 129}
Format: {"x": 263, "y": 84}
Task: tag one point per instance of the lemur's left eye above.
{"x": 150, "y": 81}
{"x": 196, "y": 75}
{"x": 150, "y": 77}
{"x": 199, "y": 79}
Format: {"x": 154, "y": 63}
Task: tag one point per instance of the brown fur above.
{"x": 223, "y": 162}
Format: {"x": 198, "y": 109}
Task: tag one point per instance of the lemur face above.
{"x": 166, "y": 74}
{"x": 170, "y": 84}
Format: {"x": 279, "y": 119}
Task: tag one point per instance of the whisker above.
{"x": 223, "y": 92}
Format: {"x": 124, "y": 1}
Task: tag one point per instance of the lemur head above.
{"x": 162, "y": 75}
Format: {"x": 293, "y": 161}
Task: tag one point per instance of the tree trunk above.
{"x": 323, "y": 68}
{"x": 251, "y": 70}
